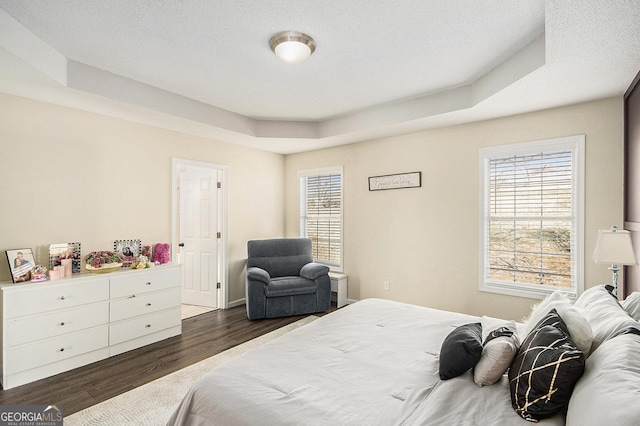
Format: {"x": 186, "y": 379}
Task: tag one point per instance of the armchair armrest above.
{"x": 313, "y": 270}
{"x": 258, "y": 274}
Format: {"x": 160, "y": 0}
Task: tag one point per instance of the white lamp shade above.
{"x": 615, "y": 247}
{"x": 293, "y": 52}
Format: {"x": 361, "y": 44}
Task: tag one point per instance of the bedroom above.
{"x": 63, "y": 170}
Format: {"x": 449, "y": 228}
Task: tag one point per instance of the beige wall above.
{"x": 425, "y": 240}
{"x": 69, "y": 175}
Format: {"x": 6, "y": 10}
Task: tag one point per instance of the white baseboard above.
{"x": 238, "y": 302}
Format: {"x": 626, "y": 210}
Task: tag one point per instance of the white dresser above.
{"x": 55, "y": 326}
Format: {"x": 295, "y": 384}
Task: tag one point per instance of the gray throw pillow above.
{"x": 498, "y": 351}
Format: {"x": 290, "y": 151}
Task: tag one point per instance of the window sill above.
{"x": 519, "y": 290}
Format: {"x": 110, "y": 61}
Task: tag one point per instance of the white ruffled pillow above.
{"x": 579, "y": 328}
{"x": 541, "y": 309}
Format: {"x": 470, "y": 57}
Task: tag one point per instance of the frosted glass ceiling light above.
{"x": 292, "y": 47}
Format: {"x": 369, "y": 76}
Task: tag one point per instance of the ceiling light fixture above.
{"x": 292, "y": 47}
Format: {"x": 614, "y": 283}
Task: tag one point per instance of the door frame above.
{"x": 223, "y": 211}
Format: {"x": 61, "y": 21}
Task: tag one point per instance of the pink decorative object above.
{"x": 38, "y": 273}
{"x": 68, "y": 266}
{"x": 54, "y": 274}
{"x": 60, "y": 270}
{"x": 162, "y": 253}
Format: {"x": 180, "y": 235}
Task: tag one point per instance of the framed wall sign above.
{"x": 396, "y": 181}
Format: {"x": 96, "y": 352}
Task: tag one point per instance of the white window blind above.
{"x": 533, "y": 217}
{"x": 321, "y": 213}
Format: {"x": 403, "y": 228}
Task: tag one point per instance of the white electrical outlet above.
{"x": 386, "y": 285}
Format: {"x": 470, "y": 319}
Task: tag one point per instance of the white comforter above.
{"x": 371, "y": 363}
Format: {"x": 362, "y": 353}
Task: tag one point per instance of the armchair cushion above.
{"x": 290, "y": 286}
{"x": 258, "y": 274}
{"x": 313, "y": 270}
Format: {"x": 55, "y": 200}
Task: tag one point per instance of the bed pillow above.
{"x": 604, "y": 314}
{"x": 579, "y": 328}
{"x": 499, "y": 347}
{"x": 607, "y": 393}
{"x": 541, "y": 309}
{"x": 545, "y": 370}
{"x": 577, "y": 324}
{"x": 461, "y": 350}
{"x": 632, "y": 305}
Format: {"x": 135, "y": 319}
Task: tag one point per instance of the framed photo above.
{"x": 60, "y": 251}
{"x": 128, "y": 250}
{"x": 21, "y": 262}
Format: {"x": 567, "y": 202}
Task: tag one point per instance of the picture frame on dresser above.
{"x": 59, "y": 251}
{"x": 21, "y": 262}
{"x": 128, "y": 250}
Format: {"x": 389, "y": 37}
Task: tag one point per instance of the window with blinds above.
{"x": 321, "y": 213}
{"x": 532, "y": 215}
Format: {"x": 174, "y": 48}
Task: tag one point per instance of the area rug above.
{"x": 153, "y": 403}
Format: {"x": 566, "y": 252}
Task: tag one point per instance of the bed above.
{"x": 375, "y": 362}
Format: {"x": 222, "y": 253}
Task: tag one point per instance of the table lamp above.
{"x": 614, "y": 247}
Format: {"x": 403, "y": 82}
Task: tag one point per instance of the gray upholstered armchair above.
{"x": 283, "y": 280}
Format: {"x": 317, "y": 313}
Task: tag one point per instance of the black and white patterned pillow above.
{"x": 545, "y": 370}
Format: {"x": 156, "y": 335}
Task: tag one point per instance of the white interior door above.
{"x": 199, "y": 238}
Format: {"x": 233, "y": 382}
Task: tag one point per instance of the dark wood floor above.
{"x": 202, "y": 337}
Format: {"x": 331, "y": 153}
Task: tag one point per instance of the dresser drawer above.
{"x": 141, "y": 326}
{"x": 59, "y": 322}
{"x": 143, "y": 281}
{"x": 144, "y": 303}
{"x": 48, "y": 297}
{"x": 21, "y": 358}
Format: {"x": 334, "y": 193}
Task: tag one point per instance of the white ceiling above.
{"x": 381, "y": 67}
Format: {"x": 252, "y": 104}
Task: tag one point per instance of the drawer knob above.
{"x": 148, "y": 304}
{"x": 62, "y": 297}
{"x": 61, "y": 349}
{"x": 148, "y": 282}
{"x": 148, "y": 326}
{"x": 62, "y": 323}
